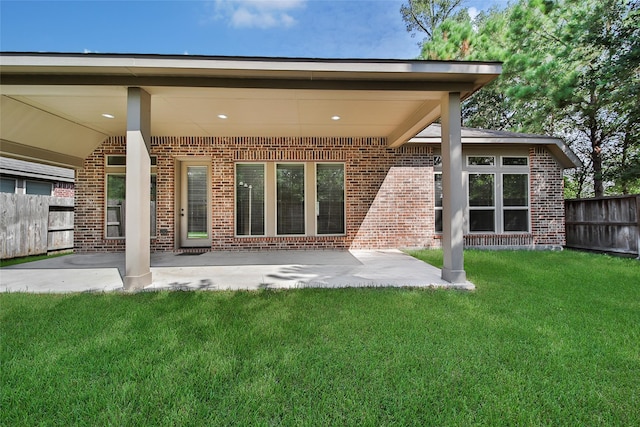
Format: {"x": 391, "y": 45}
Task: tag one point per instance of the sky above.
{"x": 358, "y": 29}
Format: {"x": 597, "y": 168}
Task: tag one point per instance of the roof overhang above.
{"x": 470, "y": 136}
{"x": 52, "y": 104}
{"x": 19, "y": 168}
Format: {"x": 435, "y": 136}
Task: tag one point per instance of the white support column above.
{"x": 138, "y": 199}
{"x": 453, "y": 191}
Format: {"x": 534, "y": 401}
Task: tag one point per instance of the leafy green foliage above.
{"x": 570, "y": 70}
{"x": 426, "y": 15}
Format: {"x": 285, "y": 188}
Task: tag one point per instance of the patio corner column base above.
{"x": 454, "y": 276}
{"x": 137, "y": 283}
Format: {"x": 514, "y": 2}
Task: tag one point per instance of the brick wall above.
{"x": 547, "y": 199}
{"x": 89, "y": 229}
{"x": 63, "y": 189}
{"x": 389, "y": 193}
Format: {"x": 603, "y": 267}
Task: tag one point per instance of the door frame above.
{"x": 181, "y": 164}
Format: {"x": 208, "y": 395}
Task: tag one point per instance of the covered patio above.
{"x": 57, "y": 108}
{"x": 229, "y": 271}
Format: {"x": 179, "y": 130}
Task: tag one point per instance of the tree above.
{"x": 424, "y": 16}
{"x": 570, "y": 70}
{"x": 576, "y": 56}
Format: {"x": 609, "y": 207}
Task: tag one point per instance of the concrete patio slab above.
{"x": 60, "y": 280}
{"x": 229, "y": 271}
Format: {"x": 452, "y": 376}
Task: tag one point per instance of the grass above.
{"x": 548, "y": 338}
{"x": 31, "y": 258}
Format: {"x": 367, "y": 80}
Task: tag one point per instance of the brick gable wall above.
{"x": 389, "y": 192}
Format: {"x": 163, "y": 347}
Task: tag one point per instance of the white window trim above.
{"x": 344, "y": 197}
{"x": 494, "y": 208}
{"x": 235, "y": 201}
{"x": 498, "y": 170}
{"x": 527, "y": 207}
{"x": 493, "y": 166}
{"x": 122, "y": 170}
{"x": 271, "y": 199}
{"x": 435, "y": 207}
{"x": 305, "y": 195}
{"x": 502, "y": 166}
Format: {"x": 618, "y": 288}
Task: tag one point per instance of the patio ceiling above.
{"x": 53, "y": 104}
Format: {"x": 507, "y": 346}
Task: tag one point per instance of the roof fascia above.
{"x": 242, "y": 83}
{"x": 140, "y": 70}
{"x": 18, "y": 151}
{"x": 17, "y": 173}
{"x": 207, "y": 64}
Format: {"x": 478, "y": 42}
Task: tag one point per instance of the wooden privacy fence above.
{"x": 610, "y": 224}
{"x": 35, "y": 225}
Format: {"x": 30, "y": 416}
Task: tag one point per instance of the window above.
{"x": 437, "y": 191}
{"x": 290, "y": 199}
{"x": 116, "y": 183}
{"x": 515, "y": 202}
{"x": 250, "y": 200}
{"x": 515, "y": 161}
{"x": 7, "y": 185}
{"x": 481, "y": 160}
{"x": 330, "y": 198}
{"x": 197, "y": 205}
{"x": 116, "y": 186}
{"x": 498, "y": 194}
{"x": 122, "y": 161}
{"x": 481, "y": 202}
{"x": 38, "y": 188}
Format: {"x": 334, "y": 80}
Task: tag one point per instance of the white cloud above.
{"x": 473, "y": 13}
{"x": 257, "y": 13}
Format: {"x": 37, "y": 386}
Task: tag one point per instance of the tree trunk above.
{"x": 596, "y": 147}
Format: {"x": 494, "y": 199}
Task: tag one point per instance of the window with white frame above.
{"x": 290, "y": 199}
{"x": 515, "y": 202}
{"x": 497, "y": 193}
{"x": 330, "y": 198}
{"x": 482, "y": 202}
{"x": 250, "y": 186}
{"x": 116, "y": 196}
{"x": 437, "y": 192}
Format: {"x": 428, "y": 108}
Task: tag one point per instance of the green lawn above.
{"x": 31, "y": 258}
{"x": 548, "y": 338}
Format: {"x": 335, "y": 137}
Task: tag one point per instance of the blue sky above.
{"x": 279, "y": 28}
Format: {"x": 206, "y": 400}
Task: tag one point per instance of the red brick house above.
{"x": 260, "y": 153}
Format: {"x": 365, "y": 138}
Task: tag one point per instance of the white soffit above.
{"x": 259, "y": 96}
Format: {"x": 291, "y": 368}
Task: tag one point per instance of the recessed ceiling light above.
{"x": 223, "y": 116}
{"x": 335, "y": 118}
{"x": 108, "y": 116}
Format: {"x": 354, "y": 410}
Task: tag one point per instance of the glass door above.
{"x": 195, "y": 215}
